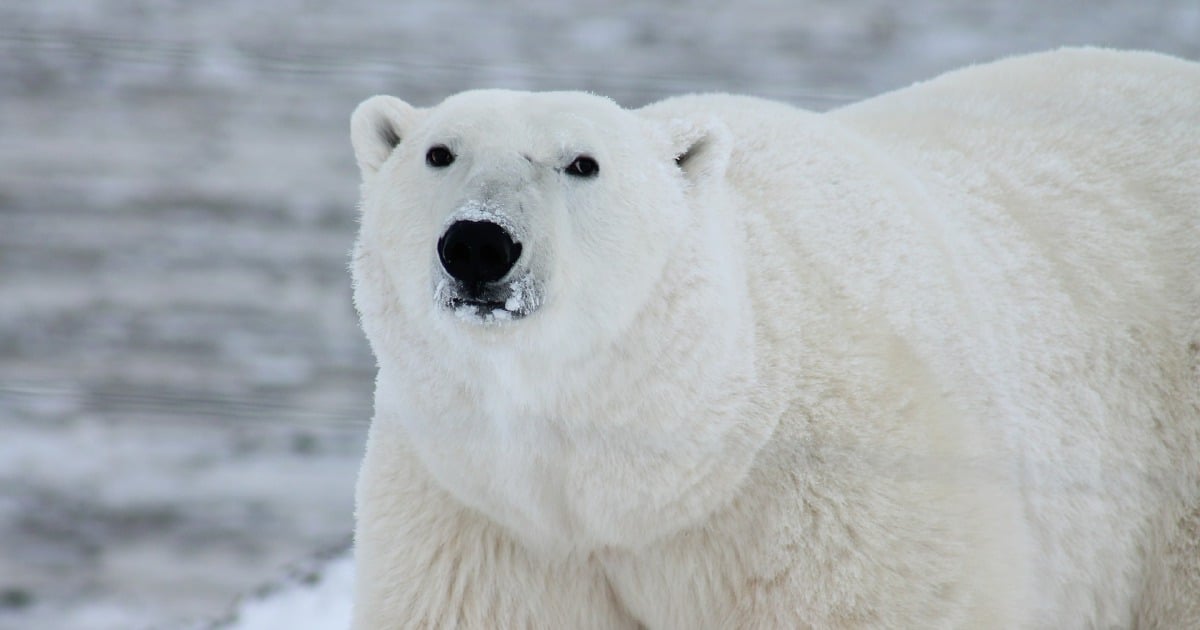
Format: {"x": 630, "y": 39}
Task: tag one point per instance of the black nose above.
{"x": 477, "y": 251}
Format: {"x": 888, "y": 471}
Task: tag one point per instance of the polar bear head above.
{"x": 500, "y": 215}
{"x": 546, "y": 282}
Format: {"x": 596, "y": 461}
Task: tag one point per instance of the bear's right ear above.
{"x": 377, "y": 127}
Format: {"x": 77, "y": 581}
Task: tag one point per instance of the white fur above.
{"x": 927, "y": 361}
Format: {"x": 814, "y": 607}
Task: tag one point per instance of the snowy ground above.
{"x": 183, "y": 389}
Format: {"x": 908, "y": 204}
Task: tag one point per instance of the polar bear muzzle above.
{"x": 477, "y": 256}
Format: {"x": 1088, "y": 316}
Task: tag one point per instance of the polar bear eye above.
{"x": 439, "y": 156}
{"x": 583, "y": 166}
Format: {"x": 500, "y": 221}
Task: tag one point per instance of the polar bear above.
{"x": 927, "y": 361}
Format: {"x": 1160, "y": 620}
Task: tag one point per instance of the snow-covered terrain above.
{"x": 318, "y": 598}
{"x": 183, "y": 389}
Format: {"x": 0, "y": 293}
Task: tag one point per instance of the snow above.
{"x": 184, "y": 391}
{"x": 317, "y": 602}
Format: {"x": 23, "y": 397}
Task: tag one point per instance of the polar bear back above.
{"x": 1093, "y": 155}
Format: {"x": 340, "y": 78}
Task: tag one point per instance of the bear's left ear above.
{"x": 701, "y": 146}
{"x": 377, "y": 126}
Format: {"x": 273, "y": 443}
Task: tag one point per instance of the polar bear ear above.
{"x": 700, "y": 146}
{"x": 377, "y": 127}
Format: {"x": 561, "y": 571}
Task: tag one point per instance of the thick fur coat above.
{"x": 927, "y": 361}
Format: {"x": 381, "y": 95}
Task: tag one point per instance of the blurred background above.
{"x": 184, "y": 391}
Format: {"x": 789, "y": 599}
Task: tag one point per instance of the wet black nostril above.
{"x": 477, "y": 251}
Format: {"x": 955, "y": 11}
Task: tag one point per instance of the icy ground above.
{"x": 183, "y": 389}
